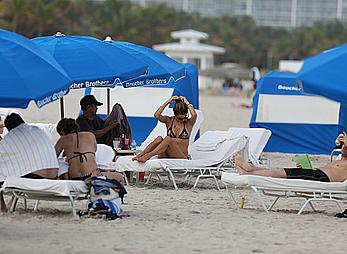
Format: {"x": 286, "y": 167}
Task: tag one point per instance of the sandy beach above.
{"x": 163, "y": 220}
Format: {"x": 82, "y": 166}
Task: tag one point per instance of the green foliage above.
{"x": 245, "y": 42}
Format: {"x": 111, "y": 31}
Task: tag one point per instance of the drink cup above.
{"x": 116, "y": 144}
{"x": 126, "y": 143}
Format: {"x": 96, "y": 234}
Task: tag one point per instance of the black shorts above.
{"x": 306, "y": 174}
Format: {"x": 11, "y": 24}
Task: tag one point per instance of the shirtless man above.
{"x": 336, "y": 171}
{"x": 79, "y": 148}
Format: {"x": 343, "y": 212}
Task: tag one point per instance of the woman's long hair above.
{"x": 67, "y": 126}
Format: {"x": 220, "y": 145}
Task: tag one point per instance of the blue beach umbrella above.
{"x": 161, "y": 68}
{"x": 91, "y": 62}
{"x": 28, "y": 73}
{"x": 325, "y": 74}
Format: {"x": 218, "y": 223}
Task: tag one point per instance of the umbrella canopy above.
{"x": 91, "y": 62}
{"x": 28, "y": 73}
{"x": 325, "y": 74}
{"x": 161, "y": 68}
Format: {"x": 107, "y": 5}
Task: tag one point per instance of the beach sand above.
{"x": 163, "y": 220}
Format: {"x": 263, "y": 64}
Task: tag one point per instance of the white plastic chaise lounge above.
{"x": 208, "y": 155}
{"x": 312, "y": 191}
{"x": 44, "y": 189}
{"x": 258, "y": 138}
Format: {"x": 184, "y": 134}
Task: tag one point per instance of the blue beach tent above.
{"x": 300, "y": 123}
{"x": 140, "y": 103}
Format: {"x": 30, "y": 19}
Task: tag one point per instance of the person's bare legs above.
{"x": 245, "y": 168}
{"x": 2, "y": 203}
{"x": 168, "y": 146}
{"x": 149, "y": 148}
{"x": 248, "y": 167}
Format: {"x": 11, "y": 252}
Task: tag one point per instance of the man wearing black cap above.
{"x": 106, "y": 130}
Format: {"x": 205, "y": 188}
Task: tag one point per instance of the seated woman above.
{"x": 179, "y": 127}
{"x": 79, "y": 148}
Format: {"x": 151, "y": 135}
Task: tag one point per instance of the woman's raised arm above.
{"x": 191, "y": 110}
{"x": 158, "y": 114}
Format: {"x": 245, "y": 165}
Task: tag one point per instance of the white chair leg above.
{"x": 126, "y": 178}
{"x": 25, "y": 204}
{"x": 273, "y": 204}
{"x": 170, "y": 175}
{"x": 36, "y": 205}
{"x": 304, "y": 205}
{"x": 13, "y": 204}
{"x": 260, "y": 198}
{"x": 160, "y": 179}
{"x": 312, "y": 207}
{"x": 149, "y": 178}
{"x": 215, "y": 180}
{"x": 72, "y": 201}
{"x": 196, "y": 181}
{"x": 231, "y": 195}
{"x": 339, "y": 205}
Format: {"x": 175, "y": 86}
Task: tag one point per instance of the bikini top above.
{"x": 81, "y": 155}
{"x": 183, "y": 135}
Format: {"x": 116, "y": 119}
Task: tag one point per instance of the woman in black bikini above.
{"x": 79, "y": 148}
{"x": 179, "y": 127}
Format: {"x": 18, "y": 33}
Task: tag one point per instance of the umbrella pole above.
{"x": 108, "y": 100}
{"x": 62, "y": 113}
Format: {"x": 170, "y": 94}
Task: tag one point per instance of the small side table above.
{"x": 126, "y": 152}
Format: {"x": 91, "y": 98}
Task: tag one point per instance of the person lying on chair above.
{"x": 336, "y": 171}
{"x": 79, "y": 148}
{"x": 25, "y": 151}
{"x": 106, "y": 130}
{"x": 179, "y": 127}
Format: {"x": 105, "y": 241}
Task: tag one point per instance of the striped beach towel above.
{"x": 26, "y": 149}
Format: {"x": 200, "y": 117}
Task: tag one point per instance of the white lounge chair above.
{"x": 208, "y": 154}
{"x": 44, "y": 189}
{"x": 48, "y": 128}
{"x": 104, "y": 154}
{"x": 312, "y": 191}
{"x": 258, "y": 138}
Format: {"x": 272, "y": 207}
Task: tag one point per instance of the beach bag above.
{"x": 106, "y": 197}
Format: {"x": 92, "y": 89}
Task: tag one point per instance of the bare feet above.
{"x": 144, "y": 158}
{"x": 242, "y": 164}
{"x": 135, "y": 158}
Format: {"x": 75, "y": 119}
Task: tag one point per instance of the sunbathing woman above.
{"x": 179, "y": 127}
{"x": 79, "y": 148}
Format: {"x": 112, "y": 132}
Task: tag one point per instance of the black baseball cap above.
{"x": 89, "y": 100}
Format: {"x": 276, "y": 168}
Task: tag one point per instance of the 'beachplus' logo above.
{"x": 287, "y": 88}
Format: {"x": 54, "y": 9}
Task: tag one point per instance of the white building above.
{"x": 190, "y": 50}
{"x": 290, "y": 65}
{"x": 275, "y": 13}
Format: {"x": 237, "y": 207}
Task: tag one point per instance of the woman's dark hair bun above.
{"x": 178, "y": 100}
